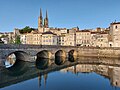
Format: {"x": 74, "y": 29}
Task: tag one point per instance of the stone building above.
{"x": 115, "y": 34}
{"x": 99, "y": 39}
{"x": 34, "y": 37}
{"x": 23, "y": 38}
{"x": 49, "y": 38}
{"x": 63, "y": 39}
{"x": 71, "y": 37}
{"x": 83, "y": 38}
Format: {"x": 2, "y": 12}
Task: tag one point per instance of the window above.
{"x": 115, "y": 27}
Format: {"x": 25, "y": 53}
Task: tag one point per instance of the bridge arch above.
{"x": 72, "y": 55}
{"x": 44, "y": 54}
{"x": 61, "y": 53}
{"x": 43, "y": 59}
{"x": 14, "y": 57}
{"x": 60, "y": 57}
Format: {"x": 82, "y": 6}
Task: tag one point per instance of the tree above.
{"x": 27, "y": 29}
{"x": 17, "y": 40}
{"x": 3, "y": 36}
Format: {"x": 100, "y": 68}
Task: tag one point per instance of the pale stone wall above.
{"x": 34, "y": 38}
{"x": 83, "y": 38}
{"x": 49, "y": 39}
{"x": 115, "y": 33}
{"x": 99, "y": 52}
{"x": 99, "y": 40}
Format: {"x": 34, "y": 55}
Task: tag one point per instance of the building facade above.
{"x": 115, "y": 34}
{"x": 83, "y": 38}
{"x": 49, "y": 38}
{"x": 99, "y": 39}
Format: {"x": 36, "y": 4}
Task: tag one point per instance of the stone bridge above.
{"x": 26, "y": 52}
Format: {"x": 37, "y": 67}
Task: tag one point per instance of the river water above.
{"x": 83, "y": 74}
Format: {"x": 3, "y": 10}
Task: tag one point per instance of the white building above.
{"x": 34, "y": 37}
{"x": 23, "y": 39}
{"x": 83, "y": 38}
{"x": 71, "y": 38}
{"x": 99, "y": 39}
{"x": 49, "y": 38}
{"x": 63, "y": 39}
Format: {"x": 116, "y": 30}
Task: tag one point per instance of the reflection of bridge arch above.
{"x": 19, "y": 68}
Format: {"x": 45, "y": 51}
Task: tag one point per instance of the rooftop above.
{"x": 115, "y": 23}
{"x": 48, "y": 32}
{"x": 83, "y": 31}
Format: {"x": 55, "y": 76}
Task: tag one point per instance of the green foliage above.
{"x": 27, "y": 29}
{"x": 17, "y": 40}
{"x": 11, "y": 41}
{"x": 3, "y": 36}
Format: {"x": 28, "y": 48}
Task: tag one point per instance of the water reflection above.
{"x": 40, "y": 77}
{"x": 72, "y": 58}
{"x": 19, "y": 68}
{"x": 111, "y": 72}
{"x": 59, "y": 60}
{"x": 42, "y": 63}
{"x": 21, "y": 71}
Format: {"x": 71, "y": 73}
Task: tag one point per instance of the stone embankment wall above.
{"x": 99, "y": 52}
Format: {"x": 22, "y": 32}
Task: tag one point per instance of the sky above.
{"x": 86, "y": 14}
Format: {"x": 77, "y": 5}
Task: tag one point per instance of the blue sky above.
{"x": 62, "y": 13}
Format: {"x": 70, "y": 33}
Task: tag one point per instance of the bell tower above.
{"x": 40, "y": 22}
{"x": 46, "y": 21}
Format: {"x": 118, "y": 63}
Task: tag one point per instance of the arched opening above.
{"x": 43, "y": 59}
{"x": 72, "y": 55}
{"x": 44, "y": 54}
{"x": 60, "y": 57}
{"x": 15, "y": 57}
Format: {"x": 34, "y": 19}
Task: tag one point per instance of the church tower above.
{"x": 46, "y": 21}
{"x": 40, "y": 22}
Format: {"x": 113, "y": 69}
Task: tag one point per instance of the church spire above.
{"x": 40, "y": 22}
{"x": 40, "y": 19}
{"x": 46, "y": 20}
{"x": 46, "y": 15}
{"x": 40, "y": 13}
